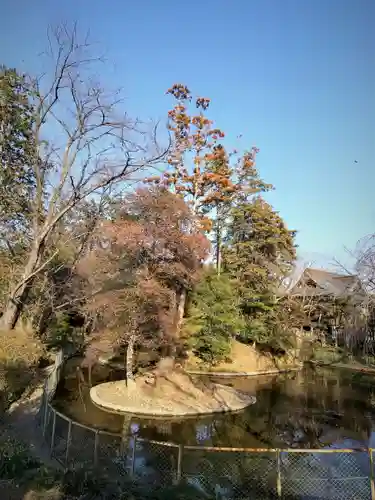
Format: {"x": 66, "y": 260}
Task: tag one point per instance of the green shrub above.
{"x": 15, "y": 459}
{"x": 267, "y": 336}
{"x": 19, "y": 470}
{"x": 213, "y": 318}
{"x": 61, "y": 333}
{"x": 327, "y": 354}
{"x": 211, "y": 347}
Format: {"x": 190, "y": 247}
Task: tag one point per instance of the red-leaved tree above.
{"x": 139, "y": 265}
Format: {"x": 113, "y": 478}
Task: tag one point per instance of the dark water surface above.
{"x": 313, "y": 408}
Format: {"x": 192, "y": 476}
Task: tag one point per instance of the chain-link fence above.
{"x": 231, "y": 473}
{"x": 226, "y": 473}
{"x": 328, "y": 473}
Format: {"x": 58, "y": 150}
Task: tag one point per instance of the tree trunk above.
{"x": 19, "y": 295}
{"x": 218, "y": 249}
{"x": 180, "y": 311}
{"x": 89, "y": 370}
{"x": 129, "y": 361}
{"x": 126, "y": 431}
{"x": 167, "y": 361}
{"x": 44, "y": 317}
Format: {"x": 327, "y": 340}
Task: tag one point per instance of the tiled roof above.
{"x": 320, "y": 282}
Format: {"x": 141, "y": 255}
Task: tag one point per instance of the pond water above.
{"x": 313, "y": 408}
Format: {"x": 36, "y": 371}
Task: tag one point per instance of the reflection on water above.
{"x": 308, "y": 409}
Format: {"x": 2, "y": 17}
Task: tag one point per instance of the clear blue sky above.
{"x": 294, "y": 77}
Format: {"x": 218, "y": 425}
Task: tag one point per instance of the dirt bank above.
{"x": 245, "y": 361}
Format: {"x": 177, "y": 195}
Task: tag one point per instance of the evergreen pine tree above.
{"x": 17, "y": 152}
{"x": 260, "y": 252}
{"x": 214, "y": 317}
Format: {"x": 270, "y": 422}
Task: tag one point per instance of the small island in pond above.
{"x": 174, "y": 394}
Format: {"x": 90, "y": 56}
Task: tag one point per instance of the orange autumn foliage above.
{"x": 141, "y": 259}
{"x": 194, "y": 136}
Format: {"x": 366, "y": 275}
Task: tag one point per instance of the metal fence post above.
{"x": 68, "y": 439}
{"x": 278, "y": 481}
{"x": 179, "y": 463}
{"x": 96, "y": 443}
{"x": 372, "y": 483}
{"x": 329, "y": 482}
{"x": 125, "y": 435}
{"x": 134, "y": 451}
{"x": 45, "y": 412}
{"x": 53, "y": 431}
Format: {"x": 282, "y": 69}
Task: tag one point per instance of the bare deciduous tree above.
{"x": 84, "y": 145}
{"x": 365, "y": 262}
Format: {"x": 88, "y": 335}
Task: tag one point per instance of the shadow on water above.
{"x": 312, "y": 408}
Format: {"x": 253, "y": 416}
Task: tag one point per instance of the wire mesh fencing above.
{"x": 326, "y": 474}
{"x": 155, "y": 462}
{"x": 225, "y": 473}
{"x": 61, "y": 436}
{"x": 82, "y": 447}
{"x": 112, "y": 454}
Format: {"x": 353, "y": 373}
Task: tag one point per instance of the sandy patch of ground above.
{"x": 175, "y": 394}
{"x": 245, "y": 359}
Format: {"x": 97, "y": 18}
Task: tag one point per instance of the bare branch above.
{"x": 84, "y": 143}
